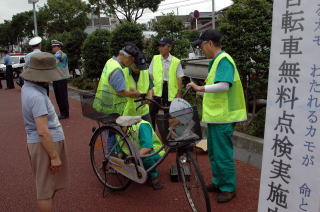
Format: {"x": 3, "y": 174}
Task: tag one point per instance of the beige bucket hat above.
{"x": 42, "y": 68}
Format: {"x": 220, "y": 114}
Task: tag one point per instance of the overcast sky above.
{"x": 10, "y": 7}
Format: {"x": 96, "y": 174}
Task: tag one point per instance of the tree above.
{"x": 22, "y": 25}
{"x": 6, "y": 34}
{"x": 132, "y": 10}
{"x": 95, "y": 51}
{"x": 191, "y": 35}
{"x": 172, "y": 27}
{"x": 64, "y": 16}
{"x": 246, "y": 35}
{"x": 126, "y": 33}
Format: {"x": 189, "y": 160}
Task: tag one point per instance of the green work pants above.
{"x": 220, "y": 150}
{"x": 150, "y": 161}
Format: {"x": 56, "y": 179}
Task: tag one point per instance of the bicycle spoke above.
{"x": 106, "y": 144}
{"x": 193, "y": 183}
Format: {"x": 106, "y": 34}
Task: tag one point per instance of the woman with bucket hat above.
{"x": 45, "y": 136}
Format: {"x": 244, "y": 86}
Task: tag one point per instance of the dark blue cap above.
{"x": 165, "y": 41}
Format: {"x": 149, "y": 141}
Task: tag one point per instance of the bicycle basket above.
{"x": 104, "y": 109}
{"x": 179, "y": 126}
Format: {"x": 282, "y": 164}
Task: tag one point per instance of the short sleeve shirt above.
{"x": 35, "y": 103}
{"x": 28, "y": 57}
{"x": 145, "y": 136}
{"x": 116, "y": 78}
{"x": 225, "y": 70}
{"x": 7, "y": 60}
{"x": 166, "y": 65}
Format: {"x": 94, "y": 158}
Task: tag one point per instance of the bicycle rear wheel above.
{"x": 193, "y": 183}
{"x": 108, "y": 141}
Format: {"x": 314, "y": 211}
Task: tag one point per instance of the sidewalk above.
{"x": 84, "y": 192}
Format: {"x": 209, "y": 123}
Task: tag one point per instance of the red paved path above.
{"x": 84, "y": 192}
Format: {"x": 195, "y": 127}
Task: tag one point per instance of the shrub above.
{"x": 84, "y": 83}
{"x": 256, "y": 127}
{"x": 95, "y": 52}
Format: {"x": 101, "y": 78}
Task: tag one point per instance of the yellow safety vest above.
{"x": 172, "y": 77}
{"x": 224, "y": 107}
{"x": 106, "y": 100}
{"x": 155, "y": 139}
{"x": 143, "y": 87}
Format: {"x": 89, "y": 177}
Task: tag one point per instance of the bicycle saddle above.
{"x": 126, "y": 121}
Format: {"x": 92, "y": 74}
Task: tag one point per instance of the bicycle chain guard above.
{"x": 128, "y": 169}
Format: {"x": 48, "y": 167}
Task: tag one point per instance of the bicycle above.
{"x": 116, "y": 168}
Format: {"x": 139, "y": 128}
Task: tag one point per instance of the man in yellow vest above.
{"x": 166, "y": 73}
{"x": 223, "y": 106}
{"x": 112, "y": 86}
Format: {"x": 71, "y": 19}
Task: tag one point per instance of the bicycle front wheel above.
{"x": 108, "y": 141}
{"x": 193, "y": 183}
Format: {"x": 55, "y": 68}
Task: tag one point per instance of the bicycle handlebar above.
{"x": 143, "y": 97}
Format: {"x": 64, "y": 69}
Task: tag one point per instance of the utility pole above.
{"x": 34, "y": 16}
{"x": 213, "y": 16}
{"x": 177, "y": 11}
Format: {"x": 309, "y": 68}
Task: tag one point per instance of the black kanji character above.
{"x": 281, "y": 170}
{"x": 282, "y": 147}
{"x": 286, "y": 95}
{"x": 278, "y": 195}
{"x": 291, "y": 46}
{"x": 289, "y": 23}
{"x": 285, "y": 122}
{"x": 289, "y": 71}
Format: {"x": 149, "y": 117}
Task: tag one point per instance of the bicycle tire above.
{"x": 99, "y": 162}
{"x": 196, "y": 194}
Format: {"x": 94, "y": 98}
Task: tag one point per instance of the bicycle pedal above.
{"x": 174, "y": 175}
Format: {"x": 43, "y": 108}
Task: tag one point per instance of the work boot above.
{"x": 225, "y": 196}
{"x": 213, "y": 188}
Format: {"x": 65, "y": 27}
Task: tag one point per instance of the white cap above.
{"x": 35, "y": 41}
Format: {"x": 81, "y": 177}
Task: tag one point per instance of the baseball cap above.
{"x": 164, "y": 41}
{"x": 56, "y": 43}
{"x": 131, "y": 49}
{"x": 140, "y": 61}
{"x": 207, "y": 35}
{"x": 35, "y": 41}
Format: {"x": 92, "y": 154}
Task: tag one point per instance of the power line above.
{"x": 173, "y": 3}
{"x": 185, "y": 5}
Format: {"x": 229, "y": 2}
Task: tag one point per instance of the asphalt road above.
{"x": 84, "y": 192}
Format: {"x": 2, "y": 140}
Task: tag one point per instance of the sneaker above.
{"x": 213, "y": 188}
{"x": 225, "y": 196}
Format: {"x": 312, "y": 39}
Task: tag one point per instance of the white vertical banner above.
{"x": 290, "y": 178}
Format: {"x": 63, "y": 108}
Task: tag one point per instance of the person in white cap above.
{"x": 35, "y": 43}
